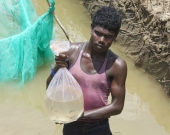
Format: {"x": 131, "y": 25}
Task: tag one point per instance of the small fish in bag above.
{"x": 64, "y": 98}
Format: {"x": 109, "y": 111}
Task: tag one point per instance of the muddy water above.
{"x": 146, "y": 110}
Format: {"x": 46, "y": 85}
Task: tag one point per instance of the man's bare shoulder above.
{"x": 120, "y": 63}
{"x": 75, "y": 48}
{"x": 115, "y": 60}
{"x": 116, "y": 65}
{"x": 76, "y": 45}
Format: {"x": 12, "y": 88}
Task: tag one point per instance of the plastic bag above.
{"x": 59, "y": 46}
{"x": 64, "y": 98}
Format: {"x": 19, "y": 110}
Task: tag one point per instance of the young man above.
{"x": 99, "y": 72}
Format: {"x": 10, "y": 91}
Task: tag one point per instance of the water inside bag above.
{"x": 64, "y": 111}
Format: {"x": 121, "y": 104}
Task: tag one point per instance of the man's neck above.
{"x": 93, "y": 54}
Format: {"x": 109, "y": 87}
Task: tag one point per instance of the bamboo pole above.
{"x": 60, "y": 24}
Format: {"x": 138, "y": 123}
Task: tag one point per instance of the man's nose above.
{"x": 102, "y": 39}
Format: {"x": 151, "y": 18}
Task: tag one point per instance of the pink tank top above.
{"x": 95, "y": 87}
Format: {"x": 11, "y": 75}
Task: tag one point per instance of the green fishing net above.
{"x": 24, "y": 39}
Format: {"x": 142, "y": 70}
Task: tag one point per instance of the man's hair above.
{"x": 107, "y": 17}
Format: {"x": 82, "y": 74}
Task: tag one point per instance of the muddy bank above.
{"x": 144, "y": 34}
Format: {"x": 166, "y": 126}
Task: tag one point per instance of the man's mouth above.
{"x": 100, "y": 45}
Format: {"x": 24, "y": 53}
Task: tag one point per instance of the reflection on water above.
{"x": 146, "y": 110}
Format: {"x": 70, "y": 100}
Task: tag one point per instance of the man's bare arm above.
{"x": 119, "y": 71}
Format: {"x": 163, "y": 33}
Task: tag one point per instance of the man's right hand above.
{"x": 61, "y": 60}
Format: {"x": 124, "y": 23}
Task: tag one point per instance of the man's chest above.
{"x": 90, "y": 65}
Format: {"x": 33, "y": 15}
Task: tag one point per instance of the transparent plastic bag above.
{"x": 64, "y": 98}
{"x": 59, "y": 46}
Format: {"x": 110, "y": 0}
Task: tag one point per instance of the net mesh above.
{"x": 24, "y": 39}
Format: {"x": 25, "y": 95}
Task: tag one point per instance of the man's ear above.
{"x": 91, "y": 31}
{"x": 115, "y": 36}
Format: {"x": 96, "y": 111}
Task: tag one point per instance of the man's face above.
{"x": 101, "y": 39}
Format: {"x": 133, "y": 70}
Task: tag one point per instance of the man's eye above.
{"x": 98, "y": 33}
{"x": 108, "y": 36}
